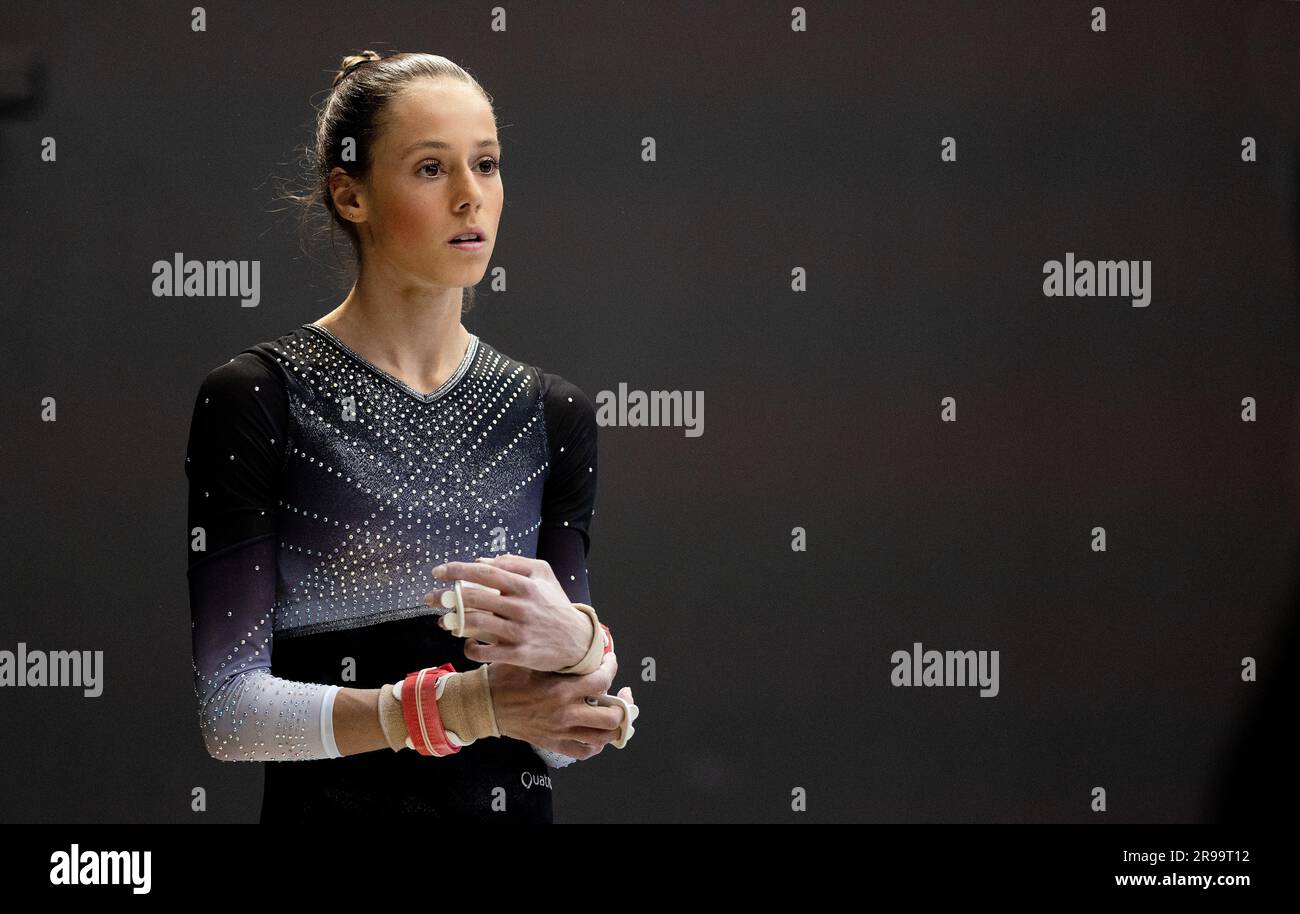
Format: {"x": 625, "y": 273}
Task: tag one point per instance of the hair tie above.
{"x": 347, "y": 71}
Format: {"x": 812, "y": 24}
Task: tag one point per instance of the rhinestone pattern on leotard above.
{"x": 383, "y": 482}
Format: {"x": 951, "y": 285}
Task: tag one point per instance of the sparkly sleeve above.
{"x": 569, "y": 496}
{"x": 233, "y": 460}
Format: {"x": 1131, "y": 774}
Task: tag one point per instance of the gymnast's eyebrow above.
{"x": 439, "y": 144}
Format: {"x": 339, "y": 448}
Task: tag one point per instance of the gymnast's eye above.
{"x": 494, "y": 166}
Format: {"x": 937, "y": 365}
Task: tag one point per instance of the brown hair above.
{"x": 355, "y": 108}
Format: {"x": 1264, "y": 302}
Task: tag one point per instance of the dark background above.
{"x": 776, "y": 150}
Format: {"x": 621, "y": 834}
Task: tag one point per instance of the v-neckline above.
{"x": 445, "y": 386}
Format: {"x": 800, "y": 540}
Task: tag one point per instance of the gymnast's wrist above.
{"x": 599, "y": 645}
{"x": 466, "y": 707}
{"x": 451, "y": 710}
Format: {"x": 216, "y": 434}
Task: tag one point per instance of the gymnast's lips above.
{"x": 469, "y": 230}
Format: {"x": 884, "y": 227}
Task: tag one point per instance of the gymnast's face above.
{"x": 430, "y": 180}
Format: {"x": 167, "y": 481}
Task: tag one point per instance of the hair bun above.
{"x": 352, "y": 61}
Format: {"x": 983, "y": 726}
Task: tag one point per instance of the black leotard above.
{"x": 326, "y": 490}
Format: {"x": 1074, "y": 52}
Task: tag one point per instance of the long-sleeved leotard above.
{"x": 323, "y": 490}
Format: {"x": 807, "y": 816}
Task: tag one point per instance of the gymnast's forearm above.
{"x": 356, "y": 721}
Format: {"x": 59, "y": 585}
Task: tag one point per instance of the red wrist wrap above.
{"x": 420, "y": 711}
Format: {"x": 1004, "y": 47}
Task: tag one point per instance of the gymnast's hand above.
{"x": 531, "y": 623}
{"x": 550, "y": 710}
